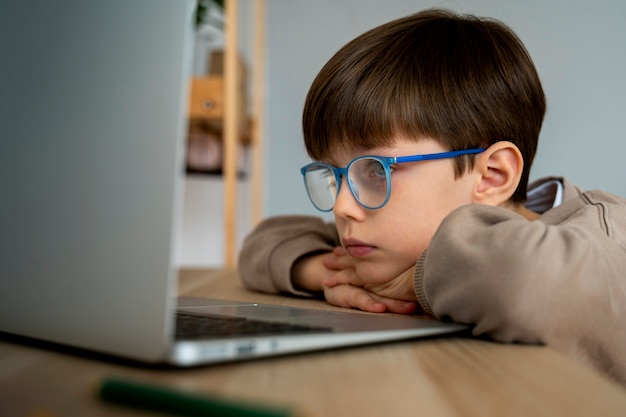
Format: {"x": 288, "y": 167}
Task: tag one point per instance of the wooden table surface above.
{"x": 449, "y": 376}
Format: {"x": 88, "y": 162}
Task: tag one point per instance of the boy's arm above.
{"x": 515, "y": 280}
{"x": 308, "y": 272}
{"x": 270, "y": 253}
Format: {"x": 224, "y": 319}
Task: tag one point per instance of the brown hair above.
{"x": 464, "y": 81}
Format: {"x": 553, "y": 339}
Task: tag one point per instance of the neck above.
{"x": 524, "y": 212}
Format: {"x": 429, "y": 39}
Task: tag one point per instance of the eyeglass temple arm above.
{"x": 439, "y": 155}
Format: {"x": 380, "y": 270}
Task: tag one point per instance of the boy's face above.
{"x": 386, "y": 242}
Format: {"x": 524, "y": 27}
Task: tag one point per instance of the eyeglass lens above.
{"x": 321, "y": 186}
{"x": 367, "y": 179}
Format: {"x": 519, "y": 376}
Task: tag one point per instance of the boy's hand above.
{"x": 342, "y": 287}
{"x": 346, "y": 295}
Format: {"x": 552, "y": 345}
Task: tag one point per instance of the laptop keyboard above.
{"x": 203, "y": 326}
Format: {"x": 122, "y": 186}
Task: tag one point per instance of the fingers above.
{"x": 338, "y": 259}
{"x": 339, "y": 251}
{"x": 393, "y": 305}
{"x": 353, "y": 297}
{"x": 344, "y": 276}
{"x": 400, "y": 306}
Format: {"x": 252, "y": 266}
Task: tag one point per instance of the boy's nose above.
{"x": 346, "y": 205}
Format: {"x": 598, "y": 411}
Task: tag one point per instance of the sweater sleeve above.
{"x": 270, "y": 251}
{"x": 561, "y": 284}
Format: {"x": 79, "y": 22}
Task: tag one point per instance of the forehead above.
{"x": 342, "y": 157}
{"x": 400, "y": 146}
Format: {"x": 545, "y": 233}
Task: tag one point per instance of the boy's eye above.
{"x": 377, "y": 169}
{"x": 370, "y": 169}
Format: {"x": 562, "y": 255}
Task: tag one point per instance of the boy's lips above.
{"x": 356, "y": 248}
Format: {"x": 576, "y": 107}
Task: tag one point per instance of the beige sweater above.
{"x": 560, "y": 280}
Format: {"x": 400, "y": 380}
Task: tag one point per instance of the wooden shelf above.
{"x": 219, "y": 102}
{"x": 207, "y": 104}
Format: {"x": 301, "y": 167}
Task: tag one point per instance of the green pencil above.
{"x": 182, "y": 403}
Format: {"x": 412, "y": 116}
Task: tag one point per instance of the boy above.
{"x": 447, "y": 228}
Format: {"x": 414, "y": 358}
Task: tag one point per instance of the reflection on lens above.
{"x": 321, "y": 186}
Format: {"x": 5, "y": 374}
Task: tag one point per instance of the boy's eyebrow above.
{"x": 385, "y": 151}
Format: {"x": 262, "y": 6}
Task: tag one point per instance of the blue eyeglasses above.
{"x": 369, "y": 178}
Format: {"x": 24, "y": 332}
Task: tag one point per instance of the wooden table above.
{"x": 436, "y": 377}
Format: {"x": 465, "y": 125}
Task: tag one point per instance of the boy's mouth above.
{"x": 356, "y": 248}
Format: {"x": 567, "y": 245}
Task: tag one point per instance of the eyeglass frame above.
{"x": 386, "y": 162}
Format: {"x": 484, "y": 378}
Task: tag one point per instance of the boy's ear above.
{"x": 500, "y": 169}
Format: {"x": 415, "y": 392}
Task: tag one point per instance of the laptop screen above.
{"x": 93, "y": 103}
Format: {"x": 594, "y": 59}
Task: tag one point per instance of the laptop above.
{"x": 92, "y": 104}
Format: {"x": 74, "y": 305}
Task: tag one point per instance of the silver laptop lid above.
{"x": 92, "y": 118}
